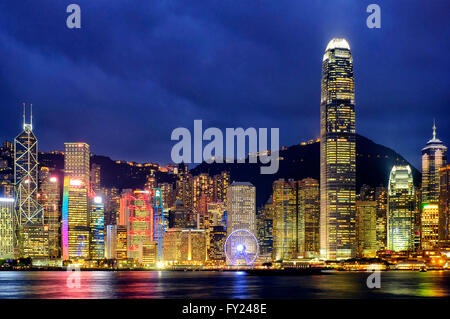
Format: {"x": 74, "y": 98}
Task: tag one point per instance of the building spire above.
{"x": 434, "y": 129}
{"x": 23, "y": 115}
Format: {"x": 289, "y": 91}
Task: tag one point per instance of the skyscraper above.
{"x": 221, "y": 183}
{"x": 75, "y": 208}
{"x": 95, "y": 177}
{"x": 337, "y": 153}
{"x": 366, "y": 228}
{"x": 400, "y": 209}
{"x": 50, "y": 200}
{"x": 309, "y": 211}
{"x": 241, "y": 207}
{"x": 266, "y": 230}
{"x": 32, "y": 238}
{"x": 444, "y": 207}
{"x": 285, "y": 219}
{"x": 111, "y": 242}
{"x": 7, "y": 207}
{"x": 137, "y": 214}
{"x": 97, "y": 227}
{"x": 381, "y": 199}
{"x": 434, "y": 157}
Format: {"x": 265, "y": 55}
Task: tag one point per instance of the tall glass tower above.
{"x": 401, "y": 207}
{"x": 434, "y": 157}
{"x": 31, "y": 236}
{"x": 337, "y": 153}
{"x": 75, "y": 208}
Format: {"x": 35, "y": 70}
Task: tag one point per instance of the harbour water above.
{"x": 215, "y": 284}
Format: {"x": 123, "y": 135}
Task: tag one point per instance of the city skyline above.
{"x": 177, "y": 101}
{"x": 139, "y": 93}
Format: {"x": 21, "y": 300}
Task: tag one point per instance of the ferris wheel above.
{"x": 241, "y": 248}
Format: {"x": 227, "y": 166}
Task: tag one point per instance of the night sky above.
{"x": 138, "y": 69}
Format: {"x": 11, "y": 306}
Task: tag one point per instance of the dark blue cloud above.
{"x": 138, "y": 69}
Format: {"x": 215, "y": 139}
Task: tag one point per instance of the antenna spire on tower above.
{"x": 31, "y": 114}
{"x": 23, "y": 115}
{"x": 434, "y": 129}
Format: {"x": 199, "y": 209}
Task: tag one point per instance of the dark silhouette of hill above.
{"x": 373, "y": 165}
{"x": 118, "y": 174}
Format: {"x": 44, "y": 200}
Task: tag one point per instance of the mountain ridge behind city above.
{"x": 373, "y": 161}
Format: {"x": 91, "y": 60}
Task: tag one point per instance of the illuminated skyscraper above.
{"x": 184, "y": 189}
{"x": 366, "y": 228}
{"x": 95, "y": 177}
{"x": 111, "y": 242}
{"x": 202, "y": 187}
{"x": 122, "y": 242}
{"x": 309, "y": 212}
{"x": 137, "y": 214}
{"x": 337, "y": 153}
{"x": 168, "y": 195}
{"x": 241, "y": 207}
{"x": 444, "y": 207}
{"x": 7, "y": 207}
{"x": 221, "y": 184}
{"x": 381, "y": 199}
{"x": 217, "y": 237}
{"x": 434, "y": 157}
{"x": 97, "y": 227}
{"x": 429, "y": 227}
{"x": 75, "y": 208}
{"x": 50, "y": 200}
{"x": 285, "y": 219}
{"x": 185, "y": 246}
{"x": 400, "y": 209}
{"x": 32, "y": 237}
{"x": 265, "y": 233}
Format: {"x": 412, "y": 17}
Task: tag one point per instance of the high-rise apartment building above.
{"x": 184, "y": 188}
{"x": 337, "y": 153}
{"x": 400, "y": 209}
{"x": 75, "y": 208}
{"x": 95, "y": 178}
{"x": 221, "y": 183}
{"x": 168, "y": 195}
{"x": 202, "y": 190}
